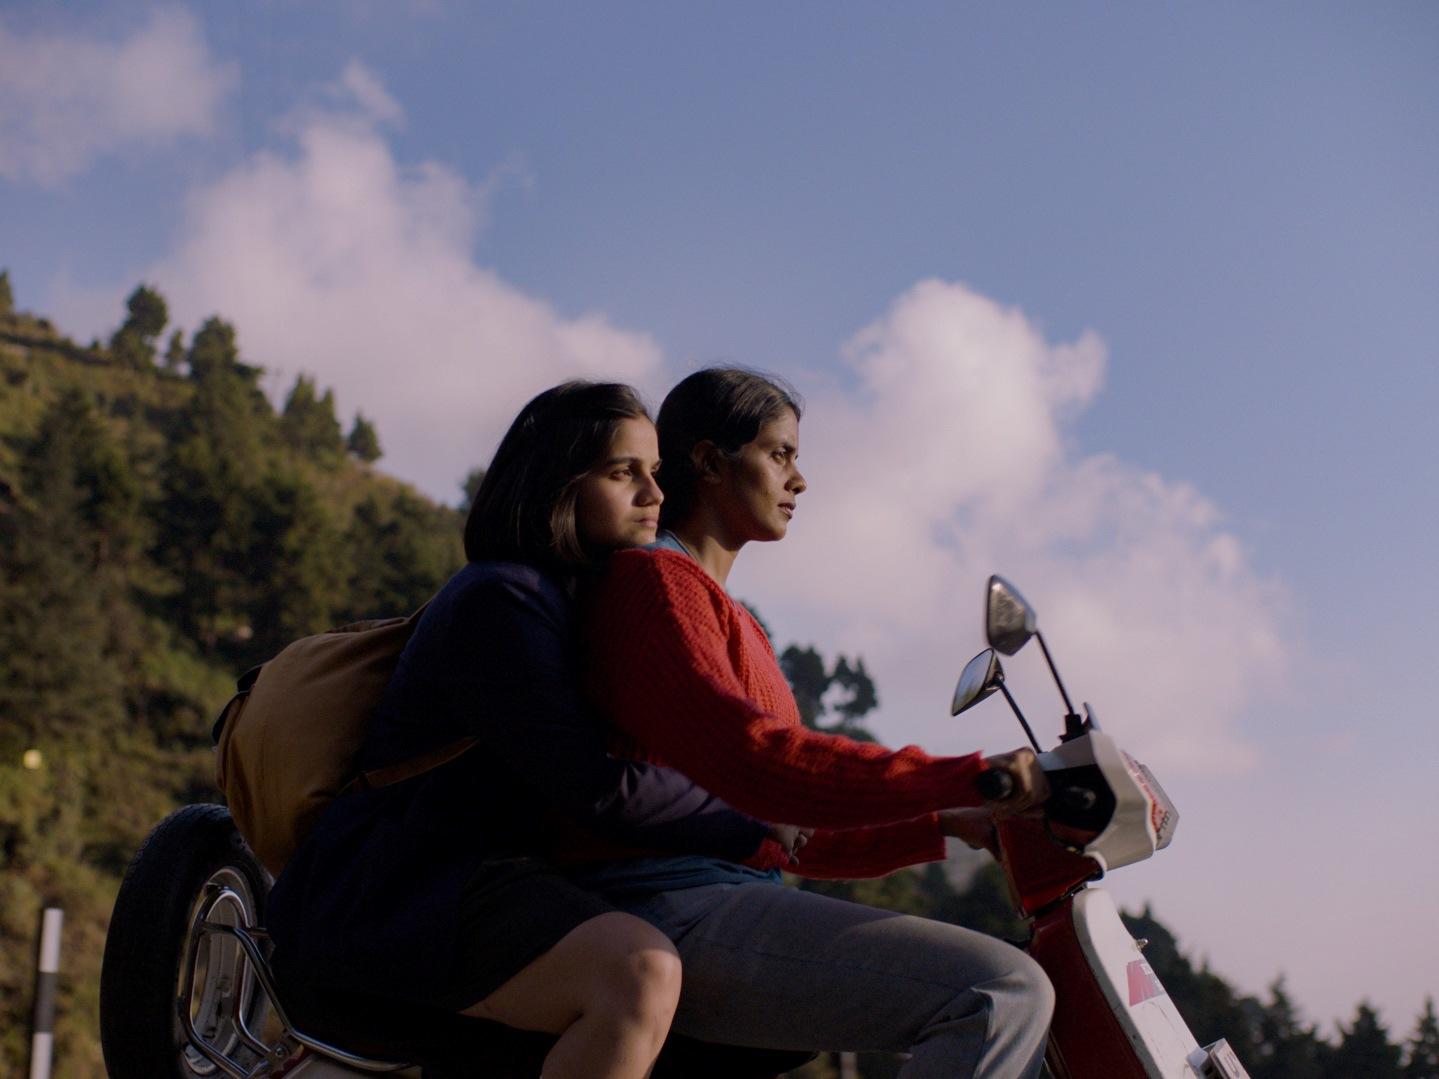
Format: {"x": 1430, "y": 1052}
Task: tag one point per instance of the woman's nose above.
{"x": 651, "y": 495}
{"x": 796, "y": 483}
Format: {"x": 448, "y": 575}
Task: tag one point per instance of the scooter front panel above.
{"x": 1086, "y": 1040}
{"x": 1153, "y": 1025}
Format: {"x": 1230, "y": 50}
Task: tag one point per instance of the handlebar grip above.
{"x": 994, "y": 785}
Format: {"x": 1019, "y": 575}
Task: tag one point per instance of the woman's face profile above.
{"x": 758, "y": 490}
{"x": 618, "y": 503}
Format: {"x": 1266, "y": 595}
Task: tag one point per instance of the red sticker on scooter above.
{"x": 1143, "y": 985}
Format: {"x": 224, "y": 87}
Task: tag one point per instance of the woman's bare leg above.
{"x": 608, "y": 988}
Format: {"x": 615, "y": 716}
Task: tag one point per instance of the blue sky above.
{"x": 1135, "y": 303}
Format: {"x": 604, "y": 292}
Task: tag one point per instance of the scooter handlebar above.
{"x": 995, "y": 785}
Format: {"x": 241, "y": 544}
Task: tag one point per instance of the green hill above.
{"x": 162, "y": 527}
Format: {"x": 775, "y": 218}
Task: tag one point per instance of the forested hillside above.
{"x": 163, "y": 527}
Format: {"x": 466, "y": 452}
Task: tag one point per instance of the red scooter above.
{"x": 1113, "y": 1018}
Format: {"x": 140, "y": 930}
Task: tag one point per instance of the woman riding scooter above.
{"x": 687, "y": 676}
{"x": 432, "y": 892}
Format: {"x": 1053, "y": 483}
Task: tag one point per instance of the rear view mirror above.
{"x": 981, "y": 676}
{"x": 1009, "y": 620}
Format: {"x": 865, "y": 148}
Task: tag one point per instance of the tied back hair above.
{"x": 723, "y": 405}
{"x": 524, "y": 510}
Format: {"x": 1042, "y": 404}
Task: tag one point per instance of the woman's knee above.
{"x": 1016, "y": 987}
{"x": 638, "y": 970}
{"x": 614, "y": 968}
{"x": 655, "y": 974}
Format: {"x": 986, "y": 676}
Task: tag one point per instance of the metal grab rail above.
{"x": 253, "y": 965}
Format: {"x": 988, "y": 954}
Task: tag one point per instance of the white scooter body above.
{"x": 1160, "y": 1037}
{"x": 1129, "y": 817}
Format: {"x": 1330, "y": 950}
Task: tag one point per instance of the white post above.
{"x": 43, "y": 1044}
{"x": 848, "y": 1066}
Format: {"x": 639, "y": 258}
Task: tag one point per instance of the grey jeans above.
{"x": 774, "y": 967}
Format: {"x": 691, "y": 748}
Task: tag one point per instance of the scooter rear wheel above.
{"x": 192, "y": 854}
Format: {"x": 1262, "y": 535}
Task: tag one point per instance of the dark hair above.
{"x": 724, "y": 405}
{"x": 524, "y": 510}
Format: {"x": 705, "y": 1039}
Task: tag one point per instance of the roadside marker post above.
{"x": 42, "y": 1045}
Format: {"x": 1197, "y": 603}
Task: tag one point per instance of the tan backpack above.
{"x": 288, "y": 742}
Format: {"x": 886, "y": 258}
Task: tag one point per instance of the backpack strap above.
{"x": 243, "y": 685}
{"x": 416, "y": 766}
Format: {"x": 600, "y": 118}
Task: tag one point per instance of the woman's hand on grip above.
{"x": 1028, "y": 784}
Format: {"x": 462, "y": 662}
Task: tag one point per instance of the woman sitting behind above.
{"x": 433, "y": 891}
{"x": 767, "y": 965}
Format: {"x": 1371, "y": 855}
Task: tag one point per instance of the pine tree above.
{"x": 397, "y": 555}
{"x": 811, "y": 681}
{"x": 861, "y": 698}
{"x": 1422, "y": 1052}
{"x": 175, "y": 352}
{"x": 7, "y": 296}
{"x": 1287, "y": 1049}
{"x": 148, "y": 312}
{"x": 134, "y": 342}
{"x": 364, "y": 441}
{"x": 213, "y": 350}
{"x": 214, "y": 358}
{"x": 1365, "y": 1051}
{"x": 804, "y": 670}
{"x": 291, "y": 572}
{"x": 60, "y": 675}
{"x": 471, "y": 487}
{"x": 309, "y": 425}
{"x": 213, "y": 460}
{"x": 204, "y": 522}
{"x": 73, "y": 440}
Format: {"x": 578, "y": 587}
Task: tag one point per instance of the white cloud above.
{"x": 66, "y": 100}
{"x": 357, "y": 100}
{"x": 337, "y": 261}
{"x": 943, "y": 459}
{"x": 937, "y": 456}
{"x": 369, "y": 92}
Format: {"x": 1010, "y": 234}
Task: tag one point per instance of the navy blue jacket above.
{"x": 371, "y": 899}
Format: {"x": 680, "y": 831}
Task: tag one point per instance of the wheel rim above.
{"x": 224, "y": 984}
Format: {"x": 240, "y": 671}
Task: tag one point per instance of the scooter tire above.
{"x": 142, "y": 971}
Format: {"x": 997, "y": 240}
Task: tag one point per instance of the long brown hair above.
{"x": 524, "y": 510}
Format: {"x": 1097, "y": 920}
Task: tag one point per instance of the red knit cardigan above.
{"x": 689, "y": 679}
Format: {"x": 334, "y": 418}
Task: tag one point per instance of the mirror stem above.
{"x": 1054, "y": 671}
{"x": 1022, "y": 721}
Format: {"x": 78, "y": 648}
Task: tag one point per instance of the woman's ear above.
{"x": 706, "y": 458}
